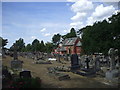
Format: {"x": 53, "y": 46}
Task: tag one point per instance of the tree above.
{"x": 42, "y": 45}
{"x": 49, "y": 47}
{"x": 28, "y": 48}
{"x": 71, "y": 34}
{"x": 102, "y": 36}
{"x": 20, "y": 45}
{"x": 3, "y": 42}
{"x": 56, "y": 39}
{"x": 36, "y": 45}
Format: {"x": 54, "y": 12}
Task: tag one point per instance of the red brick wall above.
{"x": 78, "y": 50}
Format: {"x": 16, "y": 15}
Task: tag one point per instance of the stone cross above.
{"x": 15, "y": 56}
{"x": 97, "y": 63}
{"x": 111, "y": 53}
{"x": 87, "y": 62}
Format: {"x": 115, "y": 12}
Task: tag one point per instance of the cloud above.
{"x": 42, "y": 30}
{"x": 90, "y": 20}
{"x": 76, "y": 24}
{"x": 101, "y": 11}
{"x": 72, "y": 0}
{"x": 47, "y": 34}
{"x": 87, "y": 12}
{"x": 78, "y": 16}
{"x": 82, "y": 6}
{"x": 33, "y": 37}
{"x": 68, "y": 4}
{"x": 65, "y": 31}
{"x": 100, "y": 14}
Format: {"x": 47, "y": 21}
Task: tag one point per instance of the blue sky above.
{"x": 41, "y": 20}
{"x": 34, "y": 20}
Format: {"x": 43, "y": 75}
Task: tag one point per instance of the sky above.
{"x": 41, "y": 20}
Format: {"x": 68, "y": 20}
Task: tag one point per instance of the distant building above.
{"x": 70, "y": 46}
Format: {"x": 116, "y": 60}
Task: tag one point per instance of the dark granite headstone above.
{"x": 87, "y": 62}
{"x": 25, "y": 74}
{"x": 6, "y": 74}
{"x": 74, "y": 61}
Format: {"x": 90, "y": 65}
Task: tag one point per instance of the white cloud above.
{"x": 47, "y": 34}
{"x": 100, "y": 14}
{"x": 76, "y": 24}
{"x": 72, "y": 0}
{"x": 82, "y": 6}
{"x": 68, "y": 4}
{"x": 33, "y": 37}
{"x": 78, "y": 16}
{"x": 101, "y": 11}
{"x": 90, "y": 20}
{"x": 42, "y": 30}
{"x": 55, "y": 33}
{"x": 65, "y": 31}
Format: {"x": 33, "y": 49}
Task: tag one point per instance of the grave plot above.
{"x": 15, "y": 77}
{"x": 62, "y": 68}
{"x": 84, "y": 68}
{"x": 58, "y": 75}
{"x": 43, "y": 62}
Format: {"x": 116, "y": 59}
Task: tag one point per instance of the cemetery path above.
{"x": 48, "y": 81}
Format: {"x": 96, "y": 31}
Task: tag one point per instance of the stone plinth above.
{"x": 112, "y": 74}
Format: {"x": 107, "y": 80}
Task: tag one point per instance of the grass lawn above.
{"x": 48, "y": 81}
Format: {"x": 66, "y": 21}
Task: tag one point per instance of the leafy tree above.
{"x": 56, "y": 39}
{"x": 42, "y": 45}
{"x": 102, "y": 35}
{"x": 36, "y": 45}
{"x": 28, "y": 48}
{"x": 49, "y": 47}
{"x": 19, "y": 44}
{"x": 3, "y": 42}
{"x": 71, "y": 34}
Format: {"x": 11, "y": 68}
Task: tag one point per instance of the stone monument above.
{"x": 74, "y": 62}
{"x": 97, "y": 63}
{"x": 113, "y": 72}
{"x": 87, "y": 62}
{"x": 15, "y": 63}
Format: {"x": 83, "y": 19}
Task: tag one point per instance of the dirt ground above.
{"x": 48, "y": 81}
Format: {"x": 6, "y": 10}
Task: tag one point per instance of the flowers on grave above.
{"x": 26, "y": 83}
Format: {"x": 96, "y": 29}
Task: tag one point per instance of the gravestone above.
{"x": 59, "y": 57}
{"x": 74, "y": 62}
{"x": 87, "y": 62}
{"x": 86, "y": 71}
{"x": 97, "y": 63}
{"x": 113, "y": 72}
{"x": 112, "y": 58}
{"x": 6, "y": 73}
{"x": 25, "y": 74}
{"x": 15, "y": 63}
